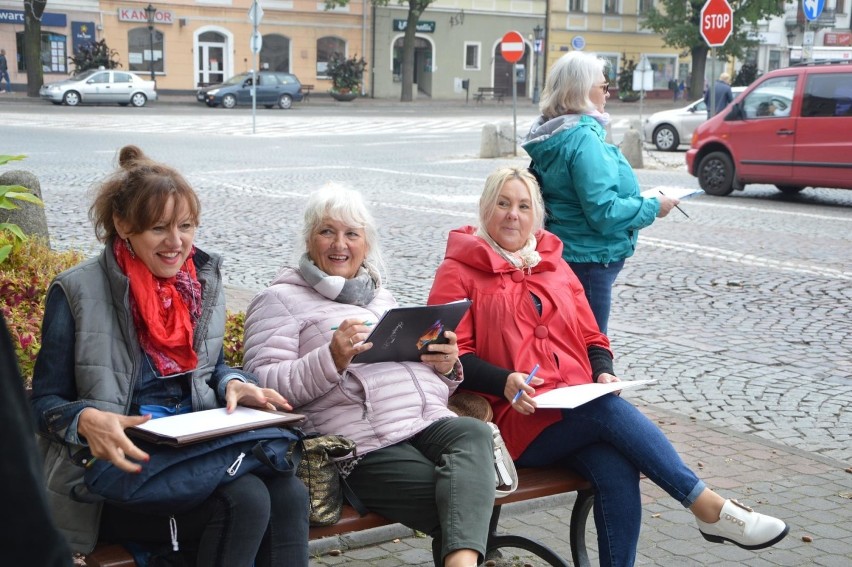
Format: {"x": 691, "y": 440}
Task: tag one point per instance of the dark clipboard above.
{"x": 403, "y": 333}
{"x": 187, "y": 428}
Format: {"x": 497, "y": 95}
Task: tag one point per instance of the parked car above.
{"x": 101, "y": 86}
{"x": 669, "y": 129}
{"x": 273, "y": 89}
{"x": 789, "y": 129}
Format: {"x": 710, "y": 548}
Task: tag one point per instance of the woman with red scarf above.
{"x": 137, "y": 333}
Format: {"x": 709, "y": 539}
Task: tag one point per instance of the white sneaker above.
{"x": 744, "y": 527}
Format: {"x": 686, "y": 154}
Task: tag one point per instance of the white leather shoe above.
{"x": 744, "y": 527}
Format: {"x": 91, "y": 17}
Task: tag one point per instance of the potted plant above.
{"x": 346, "y": 75}
{"x": 625, "y": 82}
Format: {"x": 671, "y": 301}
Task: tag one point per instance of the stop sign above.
{"x": 512, "y": 47}
{"x": 717, "y": 22}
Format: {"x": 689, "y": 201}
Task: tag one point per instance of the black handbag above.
{"x": 178, "y": 479}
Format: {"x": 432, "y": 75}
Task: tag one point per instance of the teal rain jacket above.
{"x": 590, "y": 191}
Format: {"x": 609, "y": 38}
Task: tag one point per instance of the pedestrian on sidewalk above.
{"x": 417, "y": 462}
{"x": 4, "y": 72}
{"x": 530, "y": 311}
{"x": 722, "y": 93}
{"x": 591, "y": 192}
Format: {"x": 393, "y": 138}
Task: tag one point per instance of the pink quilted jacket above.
{"x": 287, "y": 331}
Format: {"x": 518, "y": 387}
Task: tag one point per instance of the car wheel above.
{"x": 716, "y": 174}
{"x": 789, "y": 189}
{"x": 285, "y": 101}
{"x": 71, "y": 98}
{"x": 138, "y": 100}
{"x": 229, "y": 101}
{"x": 666, "y": 138}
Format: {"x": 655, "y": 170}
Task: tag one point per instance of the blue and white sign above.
{"x": 812, "y": 8}
{"x": 578, "y": 42}
{"x": 48, "y": 19}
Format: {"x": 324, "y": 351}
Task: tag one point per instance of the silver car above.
{"x": 101, "y": 86}
{"x": 669, "y": 129}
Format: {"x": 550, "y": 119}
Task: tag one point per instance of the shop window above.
{"x": 326, "y": 47}
{"x": 54, "y": 52}
{"x": 275, "y": 53}
{"x": 471, "y": 56}
{"x": 145, "y": 49}
{"x": 664, "y": 70}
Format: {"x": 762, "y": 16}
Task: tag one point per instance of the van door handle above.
{"x": 785, "y": 132}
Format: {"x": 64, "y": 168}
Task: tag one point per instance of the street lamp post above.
{"x": 151, "y": 13}
{"x": 538, "y": 34}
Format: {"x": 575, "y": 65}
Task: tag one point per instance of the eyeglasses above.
{"x": 604, "y": 87}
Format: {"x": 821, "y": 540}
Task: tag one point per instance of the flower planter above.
{"x": 344, "y": 97}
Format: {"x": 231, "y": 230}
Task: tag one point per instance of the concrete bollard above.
{"x": 505, "y": 138}
{"x": 489, "y": 146}
{"x": 30, "y": 218}
{"x": 631, "y": 147}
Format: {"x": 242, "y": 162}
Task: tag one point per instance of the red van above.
{"x": 791, "y": 128}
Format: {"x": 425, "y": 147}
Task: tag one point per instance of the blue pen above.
{"x": 527, "y": 381}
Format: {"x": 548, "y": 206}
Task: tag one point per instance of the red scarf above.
{"x": 164, "y": 311}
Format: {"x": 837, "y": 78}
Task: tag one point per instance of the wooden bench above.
{"x": 306, "y": 92}
{"x": 534, "y": 483}
{"x": 494, "y": 93}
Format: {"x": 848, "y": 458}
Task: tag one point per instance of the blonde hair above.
{"x": 569, "y": 81}
{"x": 491, "y": 193}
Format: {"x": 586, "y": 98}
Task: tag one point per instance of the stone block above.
{"x": 631, "y": 147}
{"x": 29, "y": 217}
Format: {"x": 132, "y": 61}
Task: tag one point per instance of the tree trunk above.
{"x": 699, "y": 64}
{"x": 33, "y": 10}
{"x": 408, "y": 53}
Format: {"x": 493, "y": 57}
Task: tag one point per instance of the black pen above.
{"x": 678, "y": 208}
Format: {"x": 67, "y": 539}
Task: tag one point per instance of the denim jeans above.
{"x": 597, "y": 280}
{"x": 251, "y": 521}
{"x": 610, "y": 442}
{"x": 440, "y": 482}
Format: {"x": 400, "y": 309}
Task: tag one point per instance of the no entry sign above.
{"x": 717, "y": 22}
{"x": 512, "y": 47}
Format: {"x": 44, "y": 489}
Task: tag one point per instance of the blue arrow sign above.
{"x": 812, "y": 8}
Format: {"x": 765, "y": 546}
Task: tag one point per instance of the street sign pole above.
{"x": 512, "y": 48}
{"x": 712, "y": 83}
{"x": 255, "y": 14}
{"x": 716, "y": 26}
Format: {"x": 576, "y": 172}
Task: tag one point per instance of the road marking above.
{"x": 745, "y": 259}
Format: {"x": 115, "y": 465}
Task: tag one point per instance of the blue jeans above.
{"x": 5, "y": 75}
{"x": 597, "y": 280}
{"x": 610, "y": 442}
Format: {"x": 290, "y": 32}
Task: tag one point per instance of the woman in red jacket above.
{"x": 529, "y": 308}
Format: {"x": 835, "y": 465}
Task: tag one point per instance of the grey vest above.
{"x": 107, "y": 363}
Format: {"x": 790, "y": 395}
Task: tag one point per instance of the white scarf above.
{"x": 524, "y": 259}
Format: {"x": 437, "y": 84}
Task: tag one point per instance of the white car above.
{"x": 101, "y": 86}
{"x": 668, "y": 129}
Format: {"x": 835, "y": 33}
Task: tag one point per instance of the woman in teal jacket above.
{"x": 590, "y": 191}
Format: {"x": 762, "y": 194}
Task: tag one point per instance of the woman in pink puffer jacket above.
{"x": 417, "y": 463}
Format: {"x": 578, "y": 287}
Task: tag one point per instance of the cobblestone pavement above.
{"x": 742, "y": 311}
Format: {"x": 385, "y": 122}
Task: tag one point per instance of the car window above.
{"x": 828, "y": 94}
{"x": 771, "y": 98}
{"x": 236, "y": 80}
{"x": 121, "y": 78}
{"x": 99, "y": 78}
{"x": 268, "y": 80}
{"x": 286, "y": 79}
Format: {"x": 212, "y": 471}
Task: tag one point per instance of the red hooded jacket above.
{"x": 503, "y": 326}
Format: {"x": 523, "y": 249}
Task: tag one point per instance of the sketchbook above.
{"x": 573, "y": 396}
{"x": 186, "y": 428}
{"x": 673, "y": 192}
{"x": 403, "y": 333}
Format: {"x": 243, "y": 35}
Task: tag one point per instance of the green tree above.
{"x": 415, "y": 10}
{"x": 94, "y": 55}
{"x": 678, "y": 24}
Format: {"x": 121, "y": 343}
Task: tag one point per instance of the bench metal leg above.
{"x": 577, "y": 531}
{"x": 497, "y": 541}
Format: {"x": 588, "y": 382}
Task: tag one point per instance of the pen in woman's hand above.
{"x": 367, "y": 323}
{"x": 527, "y": 381}
{"x": 677, "y": 207}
